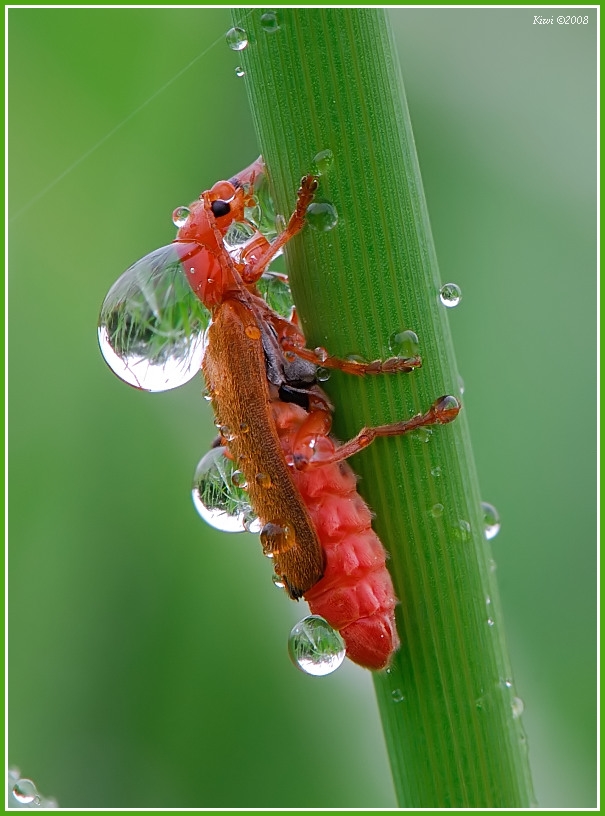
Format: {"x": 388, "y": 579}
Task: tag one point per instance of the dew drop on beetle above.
{"x": 217, "y": 498}
{"x": 180, "y": 216}
{"x": 314, "y": 647}
{"x": 263, "y": 480}
{"x": 152, "y": 326}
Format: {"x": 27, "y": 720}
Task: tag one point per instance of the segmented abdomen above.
{"x": 356, "y": 594}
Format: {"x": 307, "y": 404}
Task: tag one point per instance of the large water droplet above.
{"x": 404, "y": 344}
{"x": 322, "y": 216}
{"x": 322, "y": 162}
{"x": 237, "y": 39}
{"x": 223, "y": 504}
{"x": 151, "y": 325}
{"x": 491, "y": 520}
{"x": 315, "y": 648}
{"x": 25, "y": 792}
{"x": 269, "y": 22}
{"x": 450, "y": 295}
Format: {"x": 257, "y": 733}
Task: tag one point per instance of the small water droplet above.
{"x": 227, "y": 433}
{"x": 357, "y": 358}
{"x": 322, "y": 162}
{"x": 437, "y": 510}
{"x": 517, "y": 707}
{"x": 237, "y": 39}
{"x": 315, "y": 648}
{"x": 450, "y": 295}
{"x": 253, "y": 332}
{"x": 460, "y": 385}
{"x": 180, "y": 216}
{"x": 321, "y": 354}
{"x": 239, "y": 479}
{"x": 491, "y": 520}
{"x": 397, "y": 696}
{"x": 462, "y": 530}
{"x": 244, "y": 428}
{"x": 278, "y": 581}
{"x": 492, "y": 565}
{"x": 252, "y": 523}
{"x": 436, "y": 472}
{"x": 322, "y": 374}
{"x": 239, "y": 71}
{"x": 25, "y": 791}
{"x": 276, "y": 539}
{"x": 219, "y": 501}
{"x": 490, "y": 622}
{"x": 423, "y": 434}
{"x": 152, "y": 326}
{"x": 404, "y": 343}
{"x": 322, "y": 216}
{"x": 263, "y": 480}
{"x": 269, "y": 22}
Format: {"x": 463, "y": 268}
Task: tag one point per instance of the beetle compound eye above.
{"x": 220, "y": 208}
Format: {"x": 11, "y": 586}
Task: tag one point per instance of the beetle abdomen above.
{"x": 355, "y": 594}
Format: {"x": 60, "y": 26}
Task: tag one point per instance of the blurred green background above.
{"x": 147, "y": 653}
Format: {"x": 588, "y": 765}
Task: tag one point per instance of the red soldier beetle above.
{"x": 275, "y": 419}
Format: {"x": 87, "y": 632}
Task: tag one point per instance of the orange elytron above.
{"x": 274, "y": 418}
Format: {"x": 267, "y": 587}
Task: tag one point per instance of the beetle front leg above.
{"x": 257, "y": 265}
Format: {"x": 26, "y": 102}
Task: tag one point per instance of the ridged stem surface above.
{"x": 328, "y": 79}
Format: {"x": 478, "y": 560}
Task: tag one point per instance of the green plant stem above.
{"x": 328, "y": 79}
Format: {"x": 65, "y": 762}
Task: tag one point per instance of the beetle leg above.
{"x": 304, "y": 197}
{"x": 442, "y": 411}
{"x": 317, "y": 424}
{"x": 320, "y": 357}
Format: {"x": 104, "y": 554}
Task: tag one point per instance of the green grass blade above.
{"x": 328, "y": 79}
